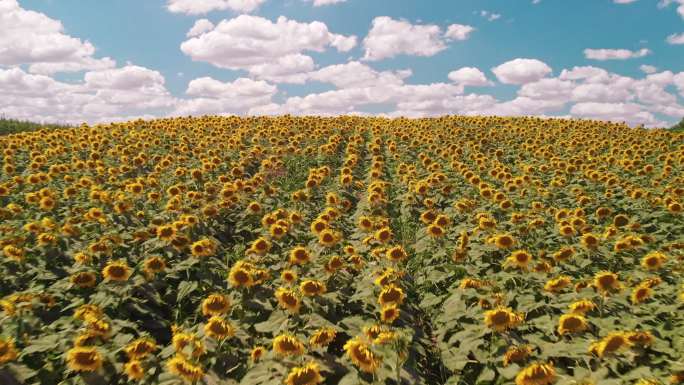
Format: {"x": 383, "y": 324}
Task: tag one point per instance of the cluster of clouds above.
{"x": 268, "y": 53}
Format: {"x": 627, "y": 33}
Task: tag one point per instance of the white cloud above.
{"x": 617, "y": 112}
{"x": 388, "y": 38}
{"x": 196, "y": 7}
{"x": 319, "y": 3}
{"x": 676, "y": 38}
{"x": 624, "y": 1}
{"x": 458, "y": 32}
{"x": 648, "y": 69}
{"x": 548, "y": 89}
{"x": 521, "y": 71}
{"x": 490, "y": 16}
{"x": 614, "y": 54}
{"x": 239, "y": 88}
{"x": 680, "y": 8}
{"x": 469, "y": 76}
{"x": 358, "y": 75}
{"x": 201, "y": 26}
{"x": 259, "y": 46}
{"x": 106, "y": 95}
{"x": 28, "y": 37}
{"x": 293, "y": 68}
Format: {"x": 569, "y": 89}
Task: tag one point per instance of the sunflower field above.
{"x": 346, "y": 250}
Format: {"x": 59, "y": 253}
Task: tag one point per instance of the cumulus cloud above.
{"x": 521, "y": 71}
{"x": 357, "y": 75}
{"x": 320, "y": 3}
{"x": 648, "y": 69}
{"x": 105, "y": 95}
{"x": 211, "y": 96}
{"x": 469, "y": 76}
{"x": 458, "y": 32}
{"x": 624, "y": 1}
{"x": 490, "y": 16}
{"x": 201, "y": 26}
{"x": 615, "y": 54}
{"x": 617, "y": 112}
{"x": 676, "y": 39}
{"x": 388, "y": 38}
{"x": 28, "y": 37}
{"x": 196, "y": 7}
{"x": 260, "y": 46}
{"x": 666, "y": 3}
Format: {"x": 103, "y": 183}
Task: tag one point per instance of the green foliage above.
{"x": 679, "y": 127}
{"x": 13, "y": 126}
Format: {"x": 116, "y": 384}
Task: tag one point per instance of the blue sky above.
{"x": 142, "y": 40}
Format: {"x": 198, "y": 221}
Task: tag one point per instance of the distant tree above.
{"x": 679, "y": 127}
{"x": 11, "y": 126}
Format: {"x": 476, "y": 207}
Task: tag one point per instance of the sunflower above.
{"x": 299, "y": 255}
{"x": 536, "y": 374}
{"x": 318, "y": 225}
{"x": 360, "y": 354}
{"x": 260, "y": 246}
{"x": 182, "y": 340}
{"x": 322, "y": 337}
{"x": 435, "y": 231}
{"x": 215, "y": 304}
{"x": 288, "y": 345}
{"x": 312, "y": 288}
{"x": 383, "y": 235}
{"x": 389, "y": 313}
{"x": 166, "y": 233}
{"x": 563, "y": 254}
{"x": 328, "y": 238}
{"x": 557, "y": 284}
{"x": 582, "y": 306}
{"x": 288, "y": 276}
{"x": 84, "y": 279}
{"x": 620, "y": 220}
{"x": 13, "y": 252}
{"x": 7, "y": 351}
{"x": 612, "y": 343}
{"x": 640, "y": 294}
{"x": 288, "y": 300}
{"x": 218, "y": 328}
{"x": 134, "y": 370}
{"x": 517, "y": 354}
{"x": 154, "y": 265}
{"x": 396, "y": 254}
{"x": 391, "y": 294}
{"x": 590, "y": 241}
{"x": 84, "y": 359}
{"x": 502, "y": 318}
{"x": 653, "y": 260}
{"x": 140, "y": 348}
{"x": 520, "y": 259}
{"x": 203, "y": 248}
{"x": 308, "y": 374}
{"x": 504, "y": 241}
{"x": 572, "y": 323}
{"x": 240, "y": 276}
{"x": 606, "y": 282}
{"x": 333, "y": 264}
{"x": 256, "y": 353}
{"x": 181, "y": 367}
{"x": 641, "y": 338}
{"x": 116, "y": 271}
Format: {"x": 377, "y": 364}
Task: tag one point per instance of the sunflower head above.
{"x": 572, "y": 323}
{"x": 361, "y": 355}
{"x": 215, "y": 304}
{"x": 308, "y": 374}
{"x": 288, "y": 345}
{"x": 84, "y": 359}
{"x": 536, "y": 374}
{"x": 502, "y": 319}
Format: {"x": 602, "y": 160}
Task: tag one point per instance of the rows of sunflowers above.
{"x": 348, "y": 250}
